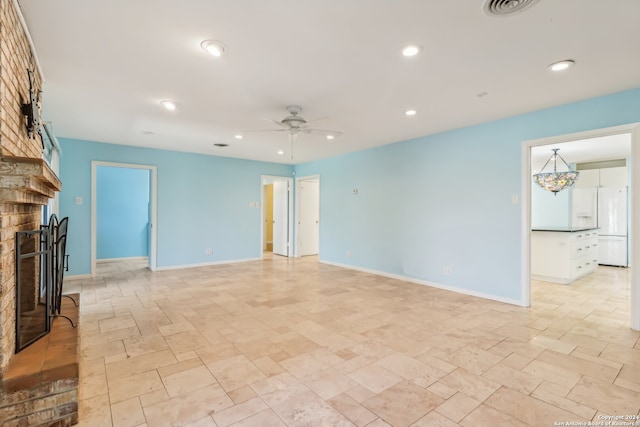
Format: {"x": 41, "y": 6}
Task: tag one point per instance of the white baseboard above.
{"x": 206, "y": 264}
{"x": 131, "y": 258}
{"x": 425, "y": 283}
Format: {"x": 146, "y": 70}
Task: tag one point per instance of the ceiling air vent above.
{"x": 506, "y": 7}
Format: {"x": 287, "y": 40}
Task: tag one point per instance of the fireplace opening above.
{"x": 40, "y": 264}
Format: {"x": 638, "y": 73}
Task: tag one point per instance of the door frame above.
{"x": 299, "y": 181}
{"x": 525, "y": 280}
{"x": 153, "y": 201}
{"x": 270, "y": 179}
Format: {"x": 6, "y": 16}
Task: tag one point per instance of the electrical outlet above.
{"x": 348, "y": 254}
{"x": 208, "y": 251}
{"x": 447, "y": 271}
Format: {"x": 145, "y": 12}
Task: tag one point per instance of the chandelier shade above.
{"x": 557, "y": 180}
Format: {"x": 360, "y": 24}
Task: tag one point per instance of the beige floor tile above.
{"x": 434, "y": 419}
{"x": 264, "y": 329}
{"x": 235, "y": 372}
{"x": 607, "y": 397}
{"x": 547, "y": 393}
{"x": 134, "y": 385}
{"x": 188, "y": 407}
{"x": 486, "y": 416}
{"x": 402, "y": 404}
{"x": 375, "y": 378}
{"x": 470, "y": 384}
{"x": 307, "y": 409}
{"x": 328, "y": 383}
{"x": 127, "y": 413}
{"x": 512, "y": 378}
{"x": 188, "y": 380}
{"x": 239, "y": 412}
{"x": 139, "y": 364}
{"x": 266, "y": 418}
{"x": 352, "y": 409}
{"x": 242, "y": 394}
{"x": 578, "y": 365}
{"x": 95, "y": 411}
{"x": 527, "y": 409}
{"x": 457, "y": 407}
{"x": 92, "y": 386}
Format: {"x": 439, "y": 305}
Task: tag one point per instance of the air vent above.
{"x": 506, "y": 7}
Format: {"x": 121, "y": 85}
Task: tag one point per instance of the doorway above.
{"x": 634, "y": 207}
{"x": 277, "y": 213}
{"x": 308, "y": 216}
{"x": 149, "y": 230}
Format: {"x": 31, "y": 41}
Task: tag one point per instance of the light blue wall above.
{"x": 122, "y": 212}
{"x": 203, "y": 202}
{"x": 446, "y": 199}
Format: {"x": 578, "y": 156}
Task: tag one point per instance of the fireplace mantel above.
{"x": 25, "y": 180}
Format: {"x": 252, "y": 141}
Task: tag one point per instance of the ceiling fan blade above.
{"x": 318, "y": 119}
{"x": 279, "y": 124}
{"x": 323, "y": 132}
{"x": 264, "y": 130}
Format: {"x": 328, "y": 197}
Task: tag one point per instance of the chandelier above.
{"x": 555, "y": 181}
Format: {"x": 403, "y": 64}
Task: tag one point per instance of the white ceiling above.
{"x": 108, "y": 64}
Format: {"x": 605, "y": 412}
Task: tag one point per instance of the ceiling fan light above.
{"x": 212, "y": 47}
{"x": 238, "y": 136}
{"x": 561, "y": 65}
{"x": 411, "y": 50}
{"x": 169, "y": 105}
{"x": 330, "y": 137}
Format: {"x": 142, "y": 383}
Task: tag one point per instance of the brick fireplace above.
{"x": 38, "y": 386}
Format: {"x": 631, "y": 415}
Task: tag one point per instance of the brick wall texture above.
{"x": 15, "y": 58}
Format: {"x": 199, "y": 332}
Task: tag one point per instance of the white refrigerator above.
{"x": 612, "y": 224}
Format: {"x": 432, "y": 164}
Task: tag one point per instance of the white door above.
{"x": 309, "y": 223}
{"x": 281, "y": 218}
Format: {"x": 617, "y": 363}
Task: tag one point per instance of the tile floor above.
{"x": 291, "y": 342}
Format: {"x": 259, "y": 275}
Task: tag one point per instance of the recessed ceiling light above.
{"x": 411, "y": 50}
{"x": 221, "y": 144}
{"x": 411, "y": 112}
{"x": 214, "y": 48}
{"x": 169, "y": 105}
{"x": 148, "y": 132}
{"x": 561, "y": 65}
{"x": 331, "y": 137}
{"x": 281, "y": 152}
{"x": 238, "y": 136}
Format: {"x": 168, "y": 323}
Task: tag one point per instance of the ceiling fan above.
{"x": 294, "y": 124}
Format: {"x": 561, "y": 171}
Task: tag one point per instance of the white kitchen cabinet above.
{"x": 563, "y": 256}
{"x": 613, "y": 177}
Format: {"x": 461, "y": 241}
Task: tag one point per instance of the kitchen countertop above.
{"x": 564, "y": 229}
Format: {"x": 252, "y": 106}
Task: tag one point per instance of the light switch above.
{"x": 78, "y": 200}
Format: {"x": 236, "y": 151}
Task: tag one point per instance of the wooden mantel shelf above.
{"x": 27, "y": 180}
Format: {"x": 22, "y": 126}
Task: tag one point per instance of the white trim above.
{"x": 269, "y": 179}
{"x": 129, "y": 258}
{"x": 206, "y": 264}
{"x": 153, "y": 200}
{"x": 426, "y": 283}
{"x": 23, "y": 23}
{"x": 634, "y": 130}
{"x": 299, "y": 180}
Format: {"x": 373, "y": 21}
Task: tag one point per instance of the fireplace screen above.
{"x": 33, "y": 281}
